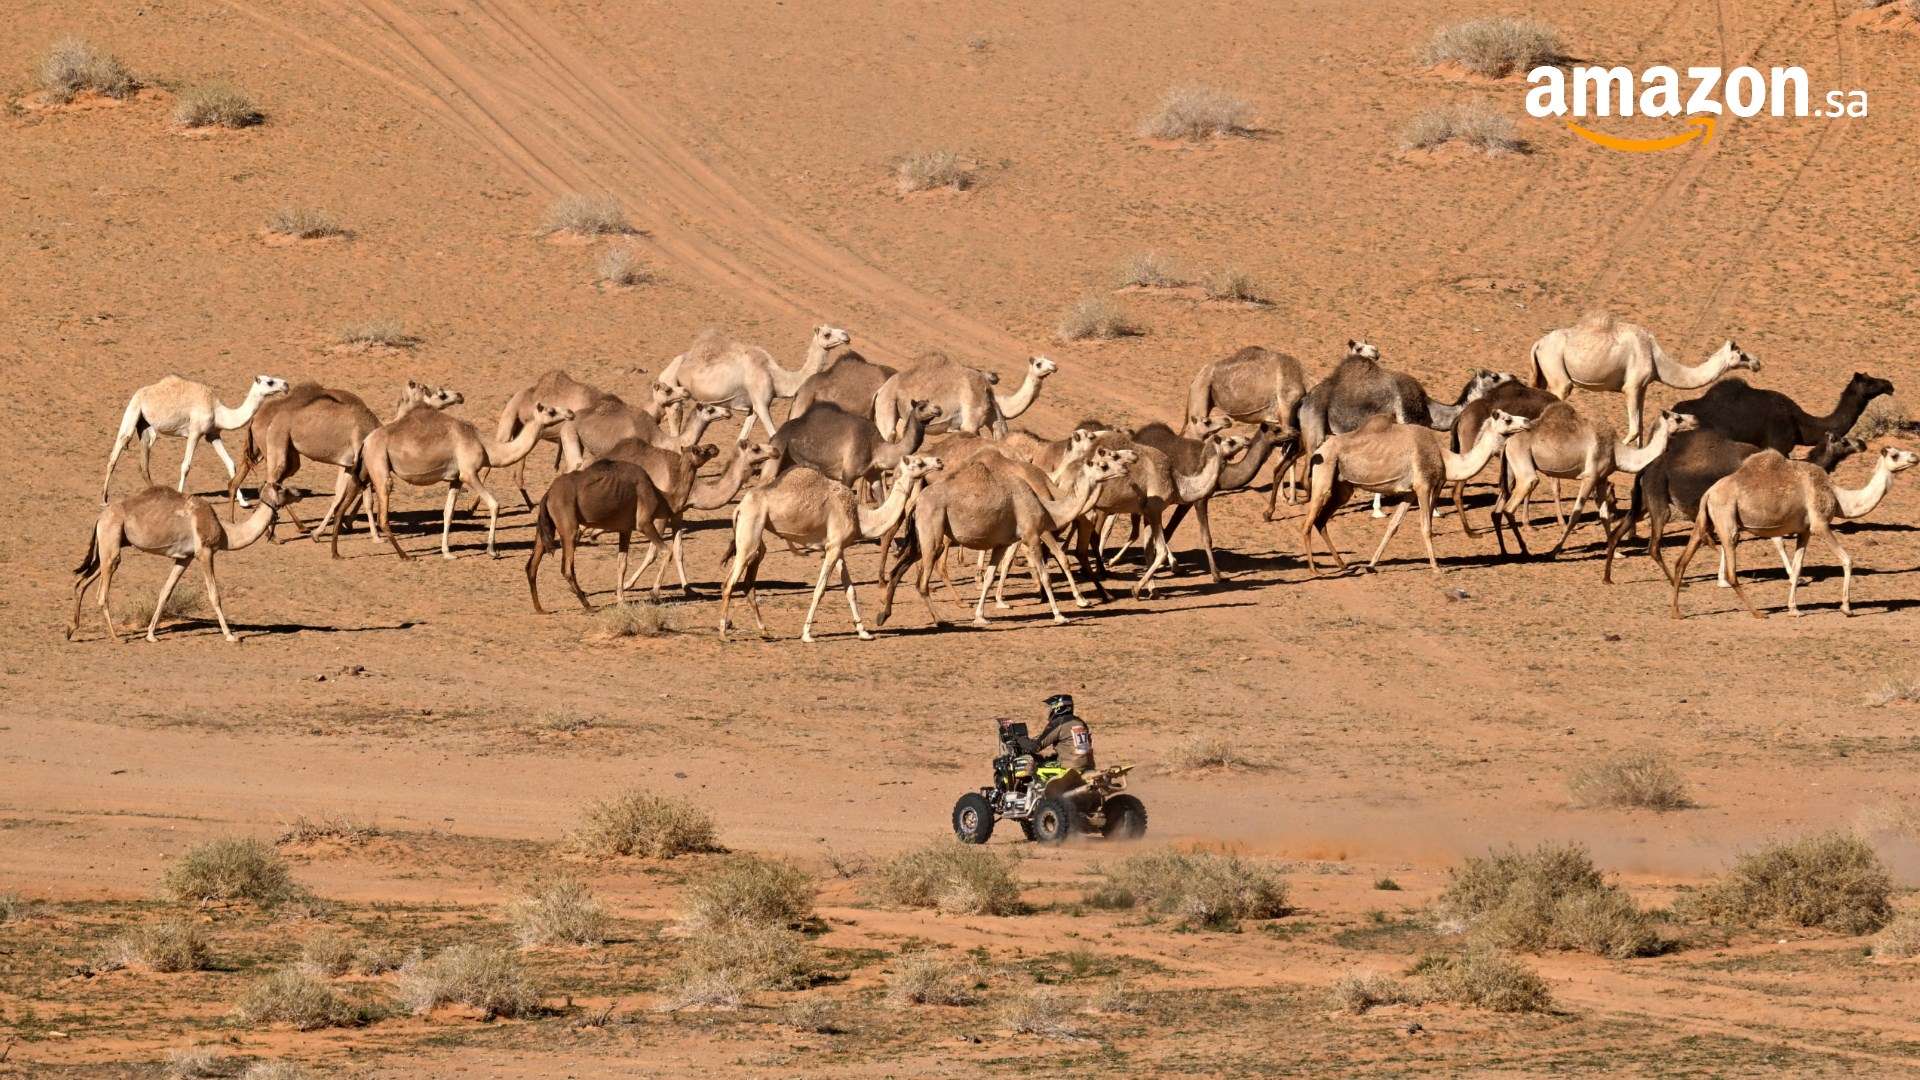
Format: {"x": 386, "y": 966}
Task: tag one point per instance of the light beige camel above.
{"x": 676, "y": 475}
{"x": 1188, "y": 456}
{"x": 1773, "y": 495}
{"x": 1389, "y": 458}
{"x": 965, "y": 395}
{"x": 186, "y": 410}
{"x": 1601, "y": 352}
{"x": 181, "y": 527}
{"x": 807, "y": 509}
{"x": 425, "y": 448}
{"x": 717, "y": 370}
{"x": 1565, "y": 445}
{"x": 615, "y": 496}
{"x": 1147, "y": 485}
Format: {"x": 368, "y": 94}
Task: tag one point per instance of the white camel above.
{"x": 186, "y": 410}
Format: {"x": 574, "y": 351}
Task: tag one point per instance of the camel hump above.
{"x": 1597, "y": 322}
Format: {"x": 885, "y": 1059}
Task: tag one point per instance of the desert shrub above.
{"x": 719, "y": 966}
{"x": 1232, "y": 284}
{"x": 1882, "y": 416}
{"x": 328, "y": 954}
{"x": 196, "y": 1063}
{"x": 291, "y": 996}
{"x": 1199, "y": 889}
{"x": 216, "y": 104}
{"x": 1476, "y": 125}
{"x": 622, "y": 266}
{"x": 230, "y": 869}
{"x": 562, "y": 912}
{"x": 1151, "y": 270}
{"x": 303, "y": 222}
{"x": 1643, "y": 778}
{"x": 380, "y": 957}
{"x": 1358, "y": 991}
{"x": 74, "y": 65}
{"x": 1552, "y": 897}
{"x": 1901, "y": 937}
{"x": 1386, "y": 884}
{"x": 1495, "y": 47}
{"x": 1096, "y": 317}
{"x": 1831, "y": 880}
{"x": 276, "y": 1070}
{"x": 587, "y": 215}
{"x": 384, "y": 333}
{"x": 636, "y": 823}
{"x": 1043, "y": 1011}
{"x": 1195, "y": 113}
{"x": 1484, "y": 979}
{"x": 307, "y": 830}
{"x": 167, "y": 946}
{"x": 1898, "y": 690}
{"x": 1115, "y": 996}
{"x": 749, "y": 889}
{"x": 926, "y": 170}
{"x": 814, "y": 1016}
{"x": 186, "y": 600}
{"x": 485, "y": 977}
{"x": 927, "y": 978}
{"x": 948, "y": 876}
{"x": 645, "y": 617}
{"x": 13, "y": 908}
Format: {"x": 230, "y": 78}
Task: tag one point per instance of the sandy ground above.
{"x": 1392, "y": 724}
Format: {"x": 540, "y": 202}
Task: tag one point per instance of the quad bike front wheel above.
{"x": 973, "y": 819}
{"x": 1054, "y": 819}
{"x": 1126, "y": 818}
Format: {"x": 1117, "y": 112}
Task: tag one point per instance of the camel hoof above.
{"x": 1002, "y": 605}
{"x": 1723, "y": 584}
{"x": 447, "y": 555}
{"x": 980, "y": 621}
{"x": 1082, "y": 604}
{"x": 1059, "y": 620}
{"x": 864, "y": 635}
{"x": 806, "y": 636}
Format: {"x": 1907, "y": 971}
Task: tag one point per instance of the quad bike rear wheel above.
{"x": 1126, "y": 818}
{"x": 973, "y": 819}
{"x": 1054, "y": 819}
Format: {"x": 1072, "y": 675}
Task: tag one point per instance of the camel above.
{"x": 612, "y": 495}
{"x": 1251, "y": 386}
{"x": 181, "y": 527}
{"x": 1773, "y": 495}
{"x": 1674, "y": 484}
{"x": 1386, "y": 457}
{"x": 186, "y": 410}
{"x": 806, "y": 508}
{"x": 1189, "y": 456}
{"x": 851, "y": 383}
{"x": 1601, "y": 352}
{"x": 980, "y": 508}
{"x": 425, "y": 448}
{"x": 1565, "y": 445}
{"x": 598, "y": 415}
{"x": 1239, "y": 474}
{"x": 676, "y": 475}
{"x": 965, "y": 395}
{"x": 1149, "y": 483}
{"x": 717, "y": 370}
{"x": 848, "y": 448}
{"x": 1512, "y": 398}
{"x": 608, "y": 421}
{"x": 1771, "y": 420}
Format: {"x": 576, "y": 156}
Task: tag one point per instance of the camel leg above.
{"x": 753, "y": 591}
{"x": 819, "y": 589}
{"x": 569, "y": 567}
{"x": 1636, "y": 403}
{"x": 186, "y": 459}
{"x": 213, "y": 594}
{"x": 620, "y": 575}
{"x": 166, "y": 593}
{"x": 741, "y": 439}
{"x": 147, "y": 439}
{"x": 1426, "y": 529}
{"x": 633, "y": 579}
{"x": 679, "y": 558}
{"x": 1793, "y": 567}
{"x": 1046, "y": 580}
{"x": 113, "y": 458}
{"x": 1620, "y": 527}
{"x": 1729, "y": 540}
{"x": 986, "y": 583}
{"x": 109, "y": 562}
{"x": 726, "y": 591}
{"x": 1060, "y": 556}
{"x": 446, "y": 520}
{"x": 1579, "y": 499}
{"x": 1000, "y": 580}
{"x": 853, "y": 602}
{"x": 220, "y": 451}
{"x": 1206, "y": 538}
{"x": 1686, "y": 556}
{"x": 493, "y": 518}
{"x": 335, "y": 507}
{"x": 1377, "y": 512}
{"x": 1793, "y": 570}
{"x": 1460, "y": 507}
{"x": 1846, "y": 562}
{"x": 1393, "y": 526}
{"x": 1161, "y": 554}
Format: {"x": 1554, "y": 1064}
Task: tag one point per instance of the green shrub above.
{"x": 1832, "y": 880}
{"x": 1200, "y": 889}
{"x": 956, "y": 878}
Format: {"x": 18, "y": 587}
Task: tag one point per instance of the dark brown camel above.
{"x": 1771, "y": 420}
{"x": 612, "y": 495}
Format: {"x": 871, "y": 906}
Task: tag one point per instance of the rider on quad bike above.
{"x": 1050, "y": 785}
{"x": 1066, "y": 739}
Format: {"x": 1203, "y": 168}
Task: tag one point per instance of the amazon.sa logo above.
{"x": 1659, "y": 91}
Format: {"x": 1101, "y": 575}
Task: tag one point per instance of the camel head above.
{"x": 1868, "y": 386}
{"x": 828, "y": 338}
{"x": 1231, "y": 445}
{"x": 1679, "y": 422}
{"x": 704, "y": 453}
{"x": 267, "y": 386}
{"x": 273, "y": 496}
{"x": 545, "y": 415}
{"x": 1215, "y": 423}
{"x": 915, "y": 466}
{"x": 1124, "y": 457}
{"x": 1105, "y": 466}
{"x": 1734, "y": 357}
{"x": 1079, "y": 443}
{"x": 1482, "y": 382}
{"x": 1361, "y": 349}
{"x": 1503, "y": 422}
{"x": 665, "y": 395}
{"x": 1041, "y": 367}
{"x": 1898, "y": 460}
{"x": 753, "y": 454}
{"x": 1832, "y": 451}
{"x": 433, "y": 397}
{"x": 925, "y": 411}
{"x": 712, "y": 414}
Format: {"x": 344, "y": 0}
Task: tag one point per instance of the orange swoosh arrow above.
{"x": 1698, "y": 127}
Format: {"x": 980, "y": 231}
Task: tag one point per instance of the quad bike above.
{"x": 1050, "y": 802}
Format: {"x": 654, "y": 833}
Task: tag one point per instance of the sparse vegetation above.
{"x": 230, "y": 869}
{"x": 1901, "y": 937}
{"x": 304, "y": 223}
{"x": 1484, "y": 979}
{"x": 1043, "y": 1011}
{"x": 1233, "y": 284}
{"x": 956, "y": 878}
{"x": 74, "y": 66}
{"x": 1495, "y": 47}
{"x": 1644, "y": 779}
{"x": 1882, "y": 416}
{"x": 1898, "y": 690}
{"x": 187, "y": 601}
{"x": 749, "y": 889}
{"x": 1117, "y": 997}
{"x": 1205, "y": 750}
{"x": 1552, "y": 897}
{"x": 1150, "y": 270}
{"x": 622, "y": 266}
{"x": 216, "y": 104}
{"x": 1833, "y": 881}
{"x": 1386, "y": 884}
{"x": 13, "y": 908}
{"x": 650, "y": 826}
{"x": 1358, "y": 991}
{"x": 327, "y": 954}
{"x": 276, "y": 1070}
{"x": 928, "y": 978}
{"x": 295, "y": 997}
{"x": 1194, "y": 113}
{"x": 587, "y": 215}
{"x": 927, "y": 170}
{"x": 167, "y": 946}
{"x": 721, "y": 965}
{"x": 195, "y": 1063}
{"x": 1096, "y": 317}
{"x": 644, "y": 617}
{"x": 815, "y": 1016}
{"x": 562, "y": 912}
{"x": 1476, "y": 125}
{"x": 310, "y": 830}
{"x": 1200, "y": 889}
{"x": 381, "y": 333}
{"x": 485, "y": 977}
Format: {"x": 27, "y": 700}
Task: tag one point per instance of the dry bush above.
{"x": 622, "y": 266}
{"x": 1096, "y": 317}
{"x": 1358, "y": 991}
{"x": 1116, "y": 997}
{"x": 645, "y": 617}
{"x": 562, "y": 912}
{"x": 380, "y": 957}
{"x": 14, "y": 909}
{"x": 216, "y": 104}
{"x": 1195, "y": 113}
{"x": 1495, "y": 47}
{"x": 720, "y": 966}
{"x": 1882, "y": 416}
{"x": 1476, "y": 125}
{"x": 328, "y": 954}
{"x": 486, "y": 977}
{"x": 749, "y": 889}
{"x": 230, "y": 869}
{"x": 1901, "y": 937}
{"x": 168, "y": 946}
{"x": 187, "y": 601}
{"x": 1150, "y": 270}
{"x": 651, "y": 826}
{"x": 930, "y": 169}
{"x": 1831, "y": 880}
{"x": 1042, "y": 1011}
{"x": 1642, "y": 778}
{"x": 814, "y": 1016}
{"x": 1552, "y": 897}
{"x": 74, "y": 65}
{"x": 295, "y": 997}
{"x": 587, "y": 215}
{"x": 1898, "y": 690}
{"x": 1890, "y": 817}
{"x": 1386, "y": 884}
{"x": 307, "y": 830}
{"x": 1484, "y": 979}
{"x": 386, "y": 333}
{"x": 1200, "y": 889}
{"x": 276, "y": 1070}
{"x": 927, "y": 978}
{"x": 948, "y": 876}
{"x": 196, "y": 1063}
{"x": 304, "y": 223}
{"x": 1233, "y": 284}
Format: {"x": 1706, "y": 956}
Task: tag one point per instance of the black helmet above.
{"x": 1059, "y": 705}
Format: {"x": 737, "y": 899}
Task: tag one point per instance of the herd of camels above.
{"x": 923, "y": 460}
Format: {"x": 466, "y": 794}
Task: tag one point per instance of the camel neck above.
{"x": 1468, "y": 465}
{"x": 1632, "y": 459}
{"x": 1860, "y": 501}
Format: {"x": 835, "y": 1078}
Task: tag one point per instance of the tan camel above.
{"x": 1565, "y": 445}
{"x": 849, "y": 448}
{"x": 851, "y": 383}
{"x": 1389, "y": 458}
{"x": 615, "y": 496}
{"x": 425, "y": 448}
{"x": 186, "y": 410}
{"x": 610, "y": 420}
{"x": 1773, "y": 495}
{"x": 676, "y": 475}
{"x": 1251, "y": 386}
{"x": 597, "y": 414}
{"x": 181, "y": 527}
{"x": 1601, "y": 352}
{"x": 717, "y": 370}
{"x": 1188, "y": 456}
{"x": 805, "y": 508}
{"x": 965, "y": 395}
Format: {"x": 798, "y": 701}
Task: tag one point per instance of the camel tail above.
{"x": 909, "y": 552}
{"x": 90, "y": 565}
{"x": 1200, "y": 395}
{"x": 544, "y": 529}
{"x": 1539, "y": 373}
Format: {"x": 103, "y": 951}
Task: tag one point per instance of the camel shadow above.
{"x": 194, "y": 625}
{"x": 1035, "y": 615}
